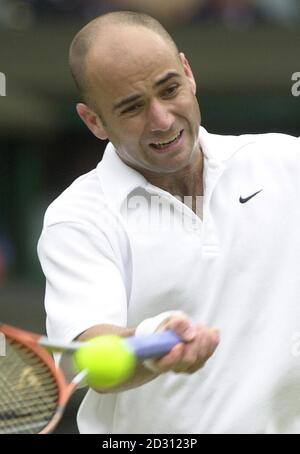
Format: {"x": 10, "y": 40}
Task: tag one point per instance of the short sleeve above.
{"x": 85, "y": 285}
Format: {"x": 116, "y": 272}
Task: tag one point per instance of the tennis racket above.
{"x": 34, "y": 392}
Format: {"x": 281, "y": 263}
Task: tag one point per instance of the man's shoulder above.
{"x": 271, "y": 145}
{"x": 80, "y": 202}
{"x": 241, "y": 140}
{"x": 272, "y": 137}
{"x": 251, "y": 144}
{"x": 267, "y": 150}
{"x": 268, "y": 153}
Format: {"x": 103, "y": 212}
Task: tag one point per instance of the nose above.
{"x": 159, "y": 117}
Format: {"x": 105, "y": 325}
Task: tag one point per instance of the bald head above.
{"x": 103, "y": 33}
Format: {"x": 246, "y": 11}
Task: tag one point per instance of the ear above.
{"x": 92, "y": 121}
{"x": 188, "y": 72}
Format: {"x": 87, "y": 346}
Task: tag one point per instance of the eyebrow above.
{"x": 126, "y": 101}
{"x": 136, "y": 96}
{"x": 166, "y": 77}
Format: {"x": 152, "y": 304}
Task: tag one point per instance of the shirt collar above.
{"x": 217, "y": 149}
{"x": 118, "y": 180}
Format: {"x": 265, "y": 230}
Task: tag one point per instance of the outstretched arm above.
{"x": 199, "y": 343}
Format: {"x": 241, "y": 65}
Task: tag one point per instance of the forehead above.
{"x": 131, "y": 60}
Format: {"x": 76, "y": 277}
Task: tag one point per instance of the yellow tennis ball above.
{"x": 107, "y": 360}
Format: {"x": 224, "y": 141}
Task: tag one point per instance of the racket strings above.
{"x": 28, "y": 391}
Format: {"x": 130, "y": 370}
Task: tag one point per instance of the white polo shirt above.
{"x": 110, "y": 257}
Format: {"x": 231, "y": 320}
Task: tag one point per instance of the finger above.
{"x": 198, "y": 352}
{"x": 175, "y": 356}
{"x": 181, "y": 356}
{"x": 182, "y": 326}
{"x": 194, "y": 368}
{"x": 209, "y": 345}
{"x": 212, "y": 342}
{"x": 189, "y": 357}
{"x": 184, "y": 367}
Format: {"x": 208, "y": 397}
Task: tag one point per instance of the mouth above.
{"x": 167, "y": 144}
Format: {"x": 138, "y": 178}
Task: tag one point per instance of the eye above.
{"x": 132, "y": 109}
{"x": 170, "y": 91}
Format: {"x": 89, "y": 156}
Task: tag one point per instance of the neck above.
{"x": 185, "y": 182}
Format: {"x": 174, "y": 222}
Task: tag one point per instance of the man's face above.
{"x": 145, "y": 96}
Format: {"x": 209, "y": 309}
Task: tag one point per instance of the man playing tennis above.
{"x": 176, "y": 229}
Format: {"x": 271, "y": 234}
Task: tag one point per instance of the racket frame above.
{"x": 38, "y": 345}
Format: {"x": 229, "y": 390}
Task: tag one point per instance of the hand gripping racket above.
{"x": 34, "y": 392}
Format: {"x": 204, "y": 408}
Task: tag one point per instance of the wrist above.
{"x": 150, "y": 326}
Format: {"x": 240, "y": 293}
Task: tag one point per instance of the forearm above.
{"x": 100, "y": 330}
{"x": 141, "y": 374}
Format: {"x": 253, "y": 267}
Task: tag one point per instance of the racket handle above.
{"x": 153, "y": 345}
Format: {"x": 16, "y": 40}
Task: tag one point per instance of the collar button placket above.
{"x": 210, "y": 240}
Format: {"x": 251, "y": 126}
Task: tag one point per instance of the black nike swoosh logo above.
{"x": 250, "y": 197}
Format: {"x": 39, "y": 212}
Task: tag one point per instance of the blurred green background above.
{"x": 243, "y": 55}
